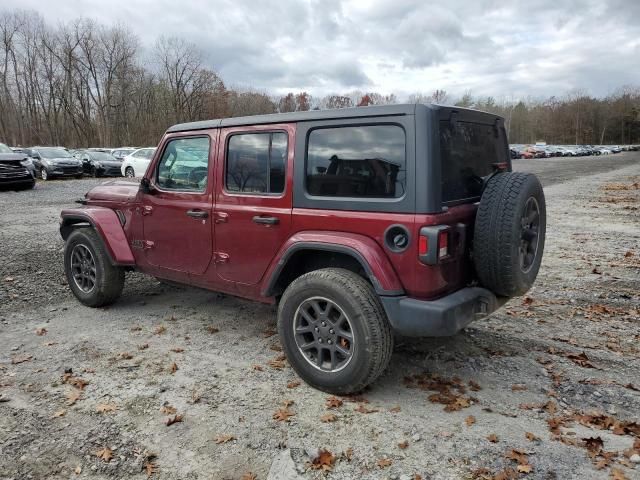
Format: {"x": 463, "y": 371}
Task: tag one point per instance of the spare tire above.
{"x": 509, "y": 233}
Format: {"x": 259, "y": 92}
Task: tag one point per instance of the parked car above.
{"x": 100, "y": 164}
{"x": 55, "y": 162}
{"x": 120, "y": 153}
{"x": 16, "y": 169}
{"x": 318, "y": 212}
{"x": 136, "y": 163}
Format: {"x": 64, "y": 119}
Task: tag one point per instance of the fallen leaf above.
{"x": 105, "y": 454}
{"x": 160, "y": 329}
{"x": 270, "y": 332}
{"x": 73, "y": 396}
{"x": 384, "y": 463}
{"x": 41, "y": 331}
{"x": 506, "y": 474}
{"x": 106, "y": 407}
{"x": 617, "y": 474}
{"x": 493, "y": 438}
{"x": 283, "y": 414}
{"x": 59, "y": 413}
{"x": 518, "y": 387}
{"x": 21, "y": 359}
{"x": 524, "y": 468}
{"x": 474, "y": 386}
{"x": 361, "y": 408}
{"x": 249, "y": 476}
{"x": 293, "y": 384}
{"x": 144, "y": 346}
{"x": 628, "y": 254}
{"x": 518, "y": 455}
{"x": 195, "y": 396}
{"x": 211, "y": 329}
{"x": 177, "y": 350}
{"x": 324, "y": 461}
{"x": 333, "y": 402}
{"x": 167, "y": 409}
{"x": 287, "y": 403}
{"x": 328, "y": 417}
{"x": 348, "y": 454}
{"x": 404, "y": 444}
{"x": 173, "y": 368}
{"x": 278, "y": 363}
{"x": 150, "y": 468}
{"x": 74, "y": 381}
{"x": 125, "y": 356}
{"x": 417, "y": 476}
{"x": 171, "y": 420}
{"x": 224, "y": 439}
{"x": 593, "y": 445}
{"x": 580, "y": 359}
{"x": 470, "y": 420}
{"x": 395, "y": 409}
{"x": 78, "y": 470}
{"x": 531, "y": 437}
{"x": 257, "y": 368}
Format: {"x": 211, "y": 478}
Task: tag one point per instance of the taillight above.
{"x": 434, "y": 244}
{"x": 443, "y": 244}
{"x": 423, "y": 245}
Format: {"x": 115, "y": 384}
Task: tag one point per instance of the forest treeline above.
{"x": 83, "y": 83}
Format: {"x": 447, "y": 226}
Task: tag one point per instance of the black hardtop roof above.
{"x": 315, "y": 115}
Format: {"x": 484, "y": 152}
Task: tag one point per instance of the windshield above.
{"x": 5, "y": 149}
{"x": 468, "y": 152}
{"x": 48, "y": 152}
{"x": 102, "y": 157}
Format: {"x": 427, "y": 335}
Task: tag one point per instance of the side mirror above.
{"x": 145, "y": 186}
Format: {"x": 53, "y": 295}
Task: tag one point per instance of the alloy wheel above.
{"x": 83, "y": 268}
{"x": 530, "y": 226}
{"x": 323, "y": 334}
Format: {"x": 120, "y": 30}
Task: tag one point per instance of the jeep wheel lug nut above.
{"x": 319, "y": 340}
{"x": 331, "y": 331}
{"x": 324, "y": 324}
{"x": 329, "y": 342}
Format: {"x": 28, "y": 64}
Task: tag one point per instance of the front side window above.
{"x": 184, "y": 165}
{"x": 357, "y": 161}
{"x": 256, "y": 163}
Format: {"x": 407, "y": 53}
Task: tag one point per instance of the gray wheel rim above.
{"x": 529, "y": 234}
{"x": 43, "y": 174}
{"x": 323, "y": 334}
{"x": 129, "y": 172}
{"x": 83, "y": 268}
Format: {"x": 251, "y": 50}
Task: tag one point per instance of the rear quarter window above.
{"x": 468, "y": 152}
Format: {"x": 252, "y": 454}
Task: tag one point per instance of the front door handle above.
{"x": 266, "y": 220}
{"x": 197, "y": 213}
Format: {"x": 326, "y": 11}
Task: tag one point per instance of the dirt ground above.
{"x": 546, "y": 388}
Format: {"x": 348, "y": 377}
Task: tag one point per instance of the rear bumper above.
{"x": 443, "y": 317}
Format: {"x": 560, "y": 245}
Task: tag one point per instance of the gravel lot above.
{"x": 531, "y": 383}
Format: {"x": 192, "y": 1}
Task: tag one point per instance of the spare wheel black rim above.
{"x": 83, "y": 268}
{"x": 323, "y": 334}
{"x": 529, "y": 234}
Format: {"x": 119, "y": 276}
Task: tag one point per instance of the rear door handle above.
{"x": 197, "y": 213}
{"x": 266, "y": 220}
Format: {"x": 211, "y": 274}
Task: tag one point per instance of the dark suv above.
{"x": 357, "y": 223}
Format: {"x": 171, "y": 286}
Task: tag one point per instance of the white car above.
{"x": 136, "y": 163}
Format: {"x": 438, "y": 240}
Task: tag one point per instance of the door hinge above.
{"x": 221, "y": 257}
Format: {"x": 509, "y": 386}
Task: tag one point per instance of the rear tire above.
{"x": 348, "y": 318}
{"x": 90, "y": 275}
{"x": 44, "y": 175}
{"x": 129, "y": 173}
{"x": 509, "y": 234}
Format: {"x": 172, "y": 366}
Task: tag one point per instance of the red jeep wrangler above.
{"x": 357, "y": 223}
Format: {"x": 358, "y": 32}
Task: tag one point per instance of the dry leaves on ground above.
{"x": 293, "y": 384}
{"x": 384, "y": 463}
{"x": 177, "y": 350}
{"x": 521, "y": 458}
{"x": 249, "y": 476}
{"x": 361, "y": 408}
{"x": 333, "y": 402}
{"x": 531, "y": 437}
{"x": 403, "y": 445}
{"x": 167, "y": 409}
{"x": 212, "y": 330}
{"x": 328, "y": 418}
{"x": 21, "y": 359}
{"x": 580, "y": 359}
{"x": 59, "y": 413}
{"x": 73, "y": 396}
{"x": 160, "y": 329}
{"x": 283, "y": 414}
{"x": 105, "y": 454}
{"x": 173, "y": 419}
{"x": 224, "y": 439}
{"x": 324, "y": 461}
{"x": 77, "y": 382}
{"x": 493, "y": 438}
{"x": 173, "y": 368}
{"x": 41, "y": 331}
{"x": 106, "y": 407}
{"x": 278, "y": 363}
{"x": 470, "y": 420}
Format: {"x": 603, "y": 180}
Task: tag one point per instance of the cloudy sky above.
{"x": 490, "y": 47}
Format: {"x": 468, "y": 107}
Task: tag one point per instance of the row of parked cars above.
{"x": 19, "y": 166}
{"x": 548, "y": 151}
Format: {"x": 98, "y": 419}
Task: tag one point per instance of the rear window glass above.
{"x": 468, "y": 152}
{"x": 359, "y": 161}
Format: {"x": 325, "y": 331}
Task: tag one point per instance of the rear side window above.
{"x": 468, "y": 152}
{"x": 357, "y": 161}
{"x": 256, "y": 163}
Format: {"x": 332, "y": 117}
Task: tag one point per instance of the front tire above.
{"x": 129, "y": 173}
{"x": 334, "y": 330}
{"x": 90, "y": 275}
{"x": 44, "y": 174}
